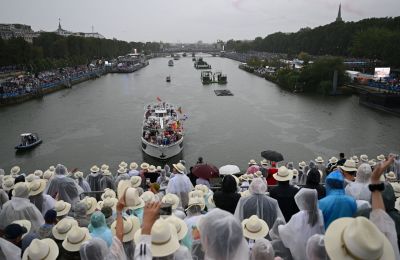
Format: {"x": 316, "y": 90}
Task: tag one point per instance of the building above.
{"x": 8, "y": 31}
{"x": 60, "y": 31}
{"x": 339, "y": 15}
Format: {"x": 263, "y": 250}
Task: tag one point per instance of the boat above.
{"x": 220, "y": 78}
{"x": 170, "y": 63}
{"x": 206, "y": 77}
{"x": 168, "y": 79}
{"x": 201, "y": 64}
{"x": 184, "y": 54}
{"x": 28, "y": 141}
{"x": 162, "y": 132}
{"x": 177, "y": 57}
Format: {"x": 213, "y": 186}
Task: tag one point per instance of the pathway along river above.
{"x": 100, "y": 121}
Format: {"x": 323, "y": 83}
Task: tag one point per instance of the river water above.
{"x": 100, "y": 121}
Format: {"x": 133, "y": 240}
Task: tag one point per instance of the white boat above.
{"x": 162, "y": 133}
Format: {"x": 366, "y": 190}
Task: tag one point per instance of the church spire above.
{"x": 339, "y": 15}
{"x": 59, "y": 24}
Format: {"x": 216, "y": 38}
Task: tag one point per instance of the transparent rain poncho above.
{"x": 43, "y": 202}
{"x": 258, "y": 204}
{"x": 262, "y": 250}
{"x": 3, "y": 198}
{"x": 302, "y": 225}
{"x": 94, "y": 181}
{"x": 19, "y": 207}
{"x": 277, "y": 244}
{"x": 359, "y": 189}
{"x": 9, "y": 251}
{"x": 94, "y": 249}
{"x": 84, "y": 184}
{"x": 107, "y": 182}
{"x": 222, "y": 236}
{"x": 315, "y": 249}
{"x": 98, "y": 227}
{"x": 63, "y": 187}
{"x": 180, "y": 185}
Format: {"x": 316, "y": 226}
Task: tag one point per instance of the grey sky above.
{"x": 188, "y": 20}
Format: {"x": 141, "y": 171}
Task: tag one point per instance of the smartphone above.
{"x": 166, "y": 209}
{"x": 148, "y": 180}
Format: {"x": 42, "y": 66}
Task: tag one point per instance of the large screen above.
{"x": 381, "y": 72}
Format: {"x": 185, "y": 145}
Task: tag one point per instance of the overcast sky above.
{"x": 188, "y": 20}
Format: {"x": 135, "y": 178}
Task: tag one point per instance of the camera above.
{"x": 166, "y": 209}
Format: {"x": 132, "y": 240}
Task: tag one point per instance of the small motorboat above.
{"x": 168, "y": 79}
{"x": 170, "y": 63}
{"x": 28, "y": 141}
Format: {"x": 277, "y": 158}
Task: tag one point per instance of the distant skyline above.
{"x": 188, "y": 20}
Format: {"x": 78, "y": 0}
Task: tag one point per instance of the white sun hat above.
{"x": 356, "y": 238}
{"x": 196, "y": 193}
{"x": 108, "y": 193}
{"x": 36, "y": 187}
{"x": 364, "y": 158}
{"x": 122, "y": 164}
{"x": 8, "y": 183}
{"x": 75, "y": 238}
{"x": 349, "y": 166}
{"x": 355, "y": 158}
{"x": 44, "y": 249}
{"x": 196, "y": 201}
{"x": 172, "y": 199}
{"x": 252, "y": 162}
{"x": 133, "y": 166}
{"x": 302, "y": 164}
{"x": 254, "y": 228}
{"x": 47, "y": 175}
{"x": 61, "y": 229}
{"x": 283, "y": 174}
{"x": 132, "y": 199}
{"x": 372, "y": 163}
{"x": 333, "y": 160}
{"x": 62, "y": 208}
{"x": 245, "y": 193}
{"x": 106, "y": 173}
{"x": 258, "y": 174}
{"x": 107, "y": 202}
{"x": 179, "y": 224}
{"x": 164, "y": 238}
{"x": 104, "y": 167}
{"x": 152, "y": 168}
{"x": 148, "y": 196}
{"x": 202, "y": 187}
{"x": 15, "y": 170}
{"x": 391, "y": 176}
{"x": 131, "y": 225}
{"x": 24, "y": 223}
{"x": 123, "y": 185}
{"x": 52, "y": 168}
{"x": 229, "y": 169}
{"x": 179, "y": 167}
{"x": 144, "y": 166}
{"x": 319, "y": 159}
{"x": 38, "y": 173}
{"x": 396, "y": 188}
{"x": 136, "y": 181}
{"x": 121, "y": 170}
{"x": 158, "y": 169}
{"x": 78, "y": 174}
{"x": 380, "y": 157}
{"x": 30, "y": 178}
{"x": 94, "y": 169}
{"x": 264, "y": 162}
{"x": 91, "y": 204}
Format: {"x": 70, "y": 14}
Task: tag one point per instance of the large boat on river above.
{"x": 162, "y": 134}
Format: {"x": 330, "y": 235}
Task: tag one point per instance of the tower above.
{"x": 59, "y": 24}
{"x": 339, "y": 15}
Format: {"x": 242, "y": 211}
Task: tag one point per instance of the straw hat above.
{"x": 151, "y": 168}
{"x": 258, "y": 174}
{"x": 356, "y": 238}
{"x": 364, "y": 158}
{"x": 62, "y": 208}
{"x": 254, "y": 227}
{"x": 122, "y": 164}
{"x": 252, "y": 162}
{"x": 131, "y": 225}
{"x": 133, "y": 166}
{"x": 391, "y": 176}
{"x": 104, "y": 167}
{"x": 264, "y": 162}
{"x": 349, "y": 166}
{"x": 121, "y": 170}
{"x": 24, "y": 223}
{"x": 196, "y": 201}
{"x": 372, "y": 163}
{"x": 47, "y": 175}
{"x": 295, "y": 172}
{"x": 172, "y": 199}
{"x": 61, "y": 229}
{"x": 158, "y": 168}
{"x": 8, "y": 184}
{"x": 78, "y": 175}
{"x": 106, "y": 173}
{"x": 38, "y": 173}
{"x": 164, "y": 238}
{"x": 179, "y": 224}
{"x": 108, "y": 193}
{"x": 31, "y": 177}
{"x": 179, "y": 167}
{"x": 355, "y": 158}
{"x": 132, "y": 199}
{"x": 396, "y": 188}
{"x": 196, "y": 193}
{"x": 380, "y": 157}
{"x": 148, "y": 196}
{"x": 319, "y": 159}
{"x": 144, "y": 166}
{"x": 107, "y": 202}
{"x": 52, "y": 168}
{"x": 37, "y": 186}
{"x": 283, "y": 174}
{"x": 333, "y": 160}
{"x": 44, "y": 249}
{"x": 302, "y": 164}
{"x": 75, "y": 238}
{"x": 202, "y": 187}
{"x": 15, "y": 170}
{"x": 245, "y": 193}
{"x": 91, "y": 204}
{"x": 136, "y": 181}
{"x": 123, "y": 185}
{"x": 244, "y": 177}
{"x": 94, "y": 169}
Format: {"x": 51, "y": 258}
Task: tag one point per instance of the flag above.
{"x": 158, "y": 99}
{"x": 179, "y": 110}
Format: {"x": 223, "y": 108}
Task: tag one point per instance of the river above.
{"x": 99, "y": 121}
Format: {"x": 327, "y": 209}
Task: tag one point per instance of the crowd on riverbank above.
{"x": 30, "y": 83}
{"x": 263, "y": 212}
